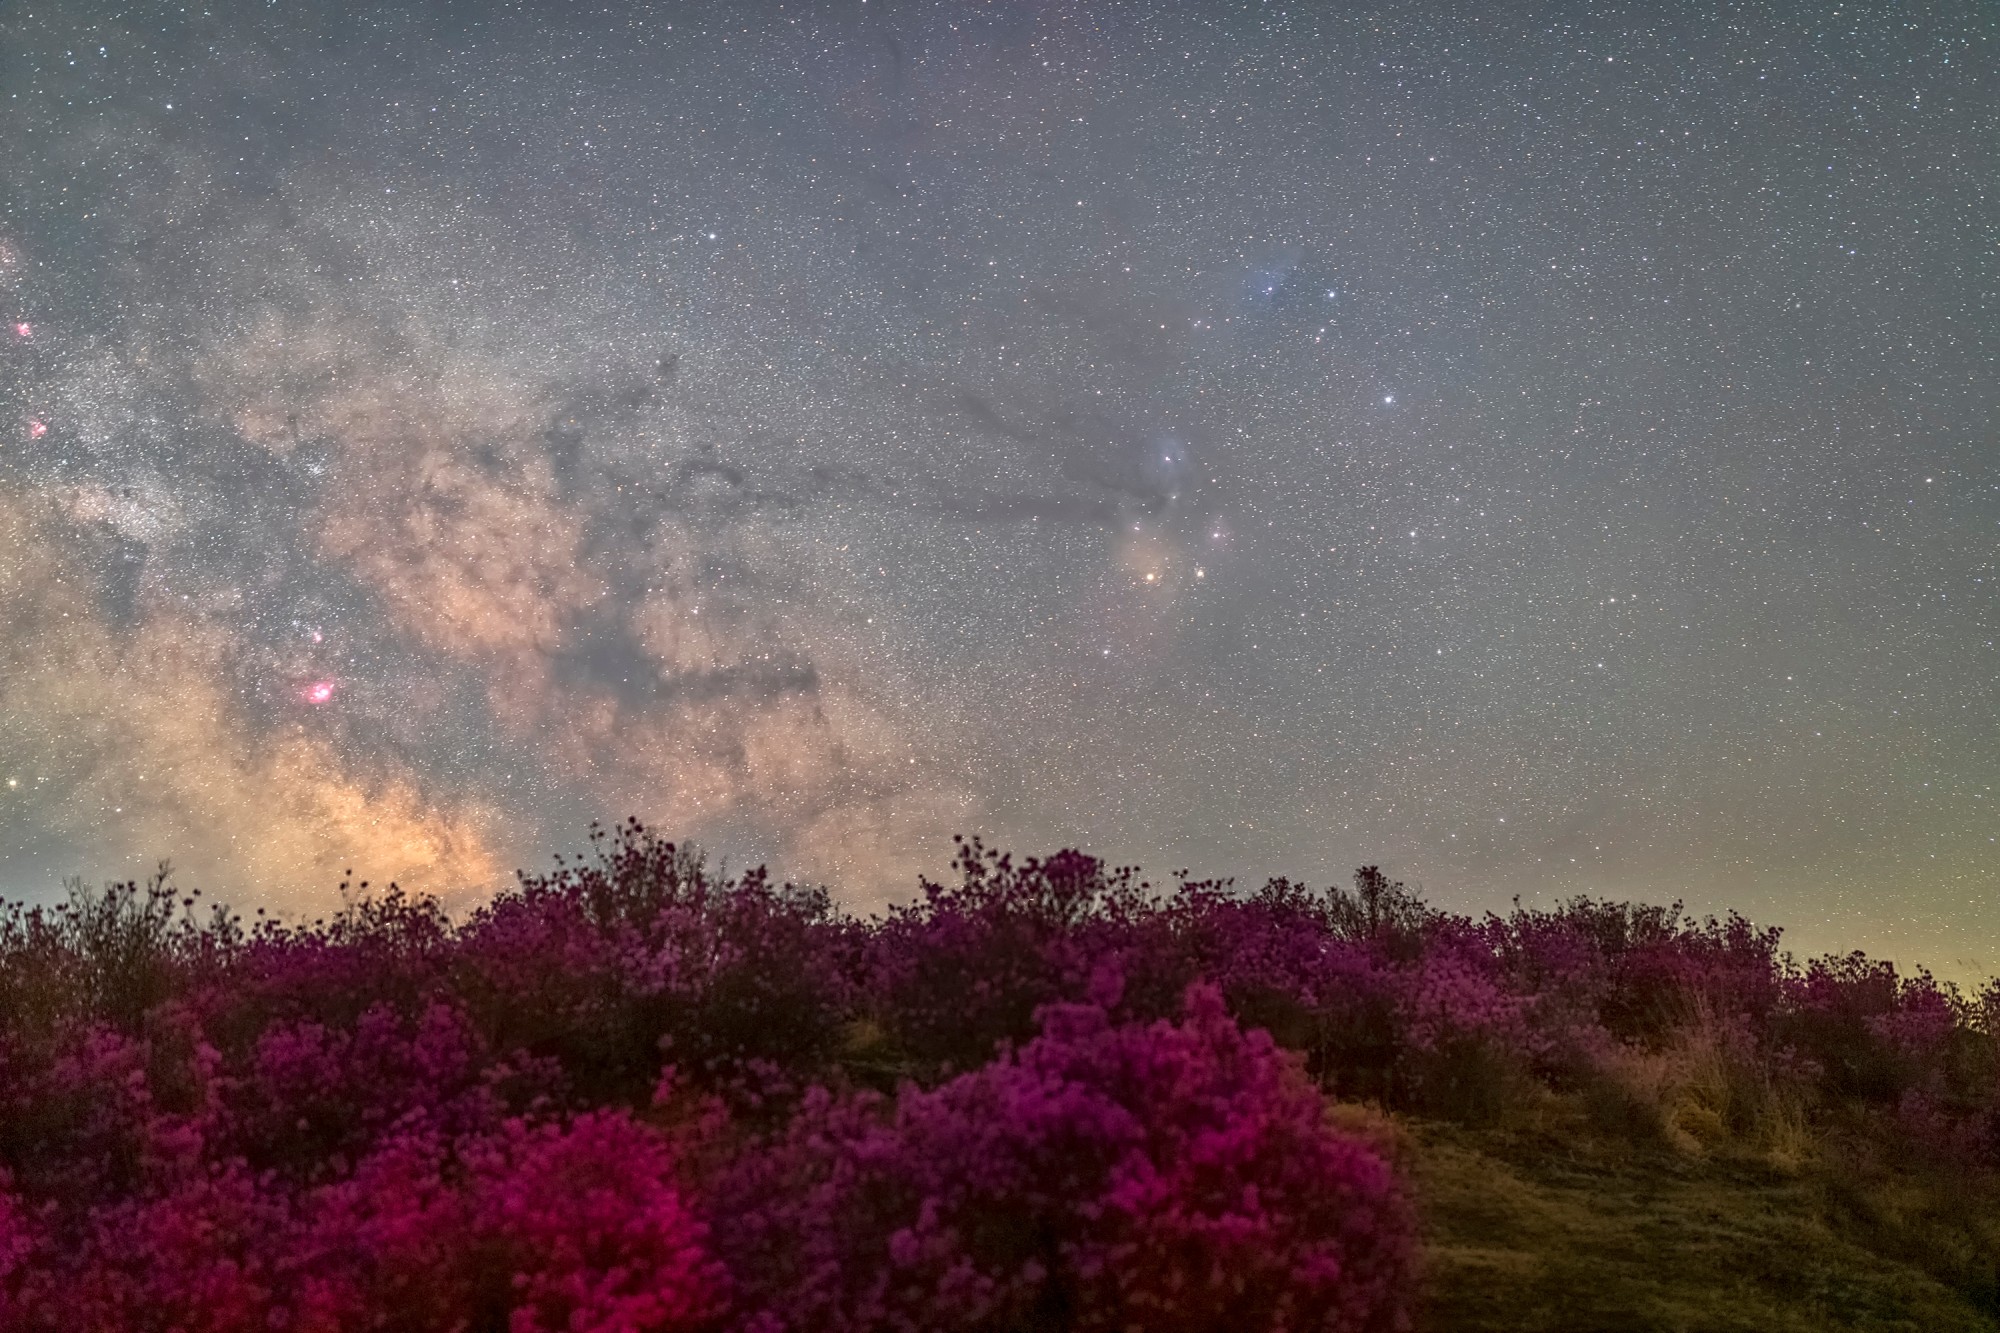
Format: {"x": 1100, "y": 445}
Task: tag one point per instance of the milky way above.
{"x": 1540, "y": 450}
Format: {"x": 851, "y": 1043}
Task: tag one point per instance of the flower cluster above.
{"x": 575, "y": 1227}
{"x": 1161, "y": 1176}
{"x": 632, "y": 1094}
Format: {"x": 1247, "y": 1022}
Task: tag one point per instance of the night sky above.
{"x": 1541, "y": 449}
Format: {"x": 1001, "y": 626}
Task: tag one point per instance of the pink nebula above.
{"x": 319, "y": 692}
{"x": 24, "y": 330}
{"x": 37, "y": 429}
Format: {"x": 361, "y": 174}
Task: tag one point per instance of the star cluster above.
{"x": 1539, "y": 451}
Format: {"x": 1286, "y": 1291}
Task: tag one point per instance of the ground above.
{"x": 1548, "y": 1229}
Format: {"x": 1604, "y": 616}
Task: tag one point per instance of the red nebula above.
{"x": 37, "y": 429}
{"x": 24, "y": 330}
{"x": 319, "y": 692}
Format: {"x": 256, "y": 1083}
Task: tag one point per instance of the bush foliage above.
{"x": 632, "y": 1094}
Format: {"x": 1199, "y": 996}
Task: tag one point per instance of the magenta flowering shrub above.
{"x": 386, "y": 950}
{"x": 993, "y": 1107}
{"x": 18, "y": 1243}
{"x": 1453, "y": 996}
{"x": 1911, "y": 1044}
{"x": 609, "y": 967}
{"x": 1919, "y": 1029}
{"x": 308, "y": 1094}
{"x": 533, "y": 1228}
{"x": 1385, "y": 998}
{"x": 1635, "y": 970}
{"x": 964, "y": 968}
{"x": 1466, "y": 1038}
{"x": 590, "y": 1232}
{"x": 1839, "y": 1014}
{"x": 576, "y": 1227}
{"x": 1169, "y": 1176}
{"x": 110, "y": 1112}
{"x": 1283, "y": 963}
{"x": 203, "y": 1253}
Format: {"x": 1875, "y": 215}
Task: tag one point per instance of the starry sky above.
{"x": 1539, "y": 448}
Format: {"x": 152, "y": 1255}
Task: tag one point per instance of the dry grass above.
{"x": 1551, "y": 1225}
{"x": 1701, "y": 1095}
{"x": 1685, "y": 1189}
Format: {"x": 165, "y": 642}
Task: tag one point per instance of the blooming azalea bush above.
{"x": 18, "y": 1244}
{"x": 966, "y": 967}
{"x": 608, "y": 966}
{"x": 534, "y": 1227}
{"x": 634, "y": 1094}
{"x": 1172, "y": 1176}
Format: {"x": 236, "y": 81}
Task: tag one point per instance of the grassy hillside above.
{"x": 1553, "y": 1227}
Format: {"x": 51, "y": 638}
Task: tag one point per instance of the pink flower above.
{"x": 1166, "y": 1176}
